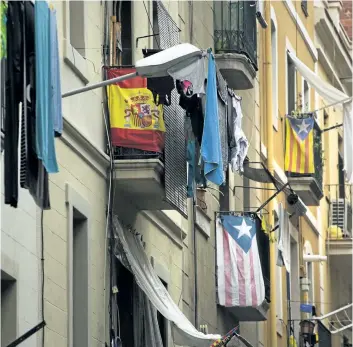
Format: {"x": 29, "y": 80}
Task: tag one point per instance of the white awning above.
{"x": 332, "y": 95}
{"x": 184, "y": 333}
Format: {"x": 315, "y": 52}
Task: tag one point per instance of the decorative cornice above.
{"x": 84, "y": 148}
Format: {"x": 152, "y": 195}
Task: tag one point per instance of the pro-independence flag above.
{"x": 239, "y": 274}
{"x": 299, "y": 145}
{"x": 135, "y": 120}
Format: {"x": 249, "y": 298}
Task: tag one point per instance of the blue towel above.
{"x": 45, "y": 145}
{"x": 56, "y": 106}
{"x": 211, "y": 151}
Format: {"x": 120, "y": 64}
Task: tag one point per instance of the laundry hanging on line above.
{"x": 24, "y": 89}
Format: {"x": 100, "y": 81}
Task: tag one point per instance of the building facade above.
{"x": 84, "y": 287}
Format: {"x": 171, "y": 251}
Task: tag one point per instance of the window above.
{"x": 294, "y": 282}
{"x": 274, "y": 72}
{"x": 8, "y": 309}
{"x": 306, "y": 97}
{"x": 80, "y": 281}
{"x": 77, "y": 26}
{"x": 291, "y": 89}
{"x": 126, "y": 33}
{"x": 79, "y": 267}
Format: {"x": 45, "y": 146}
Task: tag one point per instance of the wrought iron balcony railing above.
{"x": 235, "y": 28}
{"x": 132, "y": 153}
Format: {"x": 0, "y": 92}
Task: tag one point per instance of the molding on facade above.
{"x": 304, "y": 33}
{"x": 167, "y": 226}
{"x": 203, "y": 222}
{"x": 84, "y": 148}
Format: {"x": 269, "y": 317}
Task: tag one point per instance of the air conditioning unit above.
{"x": 341, "y": 216}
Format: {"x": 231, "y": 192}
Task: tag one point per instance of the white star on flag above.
{"x": 303, "y": 127}
{"x": 244, "y": 229}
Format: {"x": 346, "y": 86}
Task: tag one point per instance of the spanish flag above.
{"x": 299, "y": 156}
{"x": 135, "y": 120}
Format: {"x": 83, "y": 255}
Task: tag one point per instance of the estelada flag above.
{"x": 135, "y": 120}
{"x": 299, "y": 156}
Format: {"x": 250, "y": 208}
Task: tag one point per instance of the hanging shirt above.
{"x": 238, "y": 143}
{"x": 195, "y": 73}
{"x": 45, "y": 145}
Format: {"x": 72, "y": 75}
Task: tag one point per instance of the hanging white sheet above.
{"x": 332, "y": 95}
{"x": 283, "y": 255}
{"x": 184, "y": 333}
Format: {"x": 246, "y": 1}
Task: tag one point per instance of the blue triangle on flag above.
{"x": 302, "y": 127}
{"x": 241, "y": 229}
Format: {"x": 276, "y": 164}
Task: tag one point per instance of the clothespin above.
{"x": 51, "y": 6}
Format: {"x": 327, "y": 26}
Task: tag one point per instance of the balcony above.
{"x": 339, "y": 233}
{"x": 235, "y": 42}
{"x": 309, "y": 187}
{"x": 257, "y": 314}
{"x": 139, "y": 178}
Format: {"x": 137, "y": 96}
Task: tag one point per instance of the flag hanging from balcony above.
{"x": 135, "y": 120}
{"x": 239, "y": 274}
{"x": 299, "y": 145}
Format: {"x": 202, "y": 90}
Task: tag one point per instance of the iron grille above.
{"x": 235, "y": 28}
{"x": 174, "y": 115}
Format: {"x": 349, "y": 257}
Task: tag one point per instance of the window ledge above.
{"x": 76, "y": 62}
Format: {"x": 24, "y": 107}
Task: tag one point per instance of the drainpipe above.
{"x": 304, "y": 286}
{"x": 192, "y": 231}
{"x": 269, "y": 128}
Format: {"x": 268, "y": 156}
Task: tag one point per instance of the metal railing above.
{"x": 132, "y": 153}
{"x": 235, "y": 28}
{"x": 340, "y": 211}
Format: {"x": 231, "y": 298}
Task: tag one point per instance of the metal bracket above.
{"x": 28, "y": 334}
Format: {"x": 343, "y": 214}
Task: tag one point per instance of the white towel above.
{"x": 283, "y": 257}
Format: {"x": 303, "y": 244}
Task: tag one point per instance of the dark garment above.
{"x": 14, "y": 92}
{"x": 161, "y": 87}
{"x": 192, "y": 104}
{"x": 32, "y": 175}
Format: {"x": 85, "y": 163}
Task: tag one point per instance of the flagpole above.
{"x": 100, "y": 84}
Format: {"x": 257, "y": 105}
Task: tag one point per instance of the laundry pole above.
{"x": 268, "y": 68}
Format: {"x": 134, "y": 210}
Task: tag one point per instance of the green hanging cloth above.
{"x": 3, "y": 35}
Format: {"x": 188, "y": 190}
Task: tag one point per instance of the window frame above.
{"x": 72, "y": 57}
{"x": 274, "y": 34}
{"x": 74, "y": 201}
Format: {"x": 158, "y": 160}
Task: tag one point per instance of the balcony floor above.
{"x": 141, "y": 183}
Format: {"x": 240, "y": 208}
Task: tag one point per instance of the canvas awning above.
{"x": 129, "y": 248}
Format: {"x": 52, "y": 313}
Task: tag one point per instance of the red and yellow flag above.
{"x": 299, "y": 145}
{"x": 135, "y": 120}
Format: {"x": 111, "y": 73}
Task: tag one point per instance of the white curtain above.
{"x": 332, "y": 95}
{"x": 129, "y": 249}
